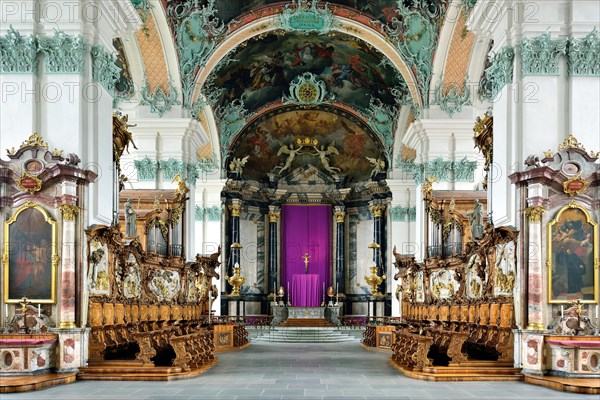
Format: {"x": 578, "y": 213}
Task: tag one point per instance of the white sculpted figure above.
{"x": 323, "y": 153}
{"x": 378, "y": 165}
{"x": 291, "y": 152}
{"x": 237, "y": 164}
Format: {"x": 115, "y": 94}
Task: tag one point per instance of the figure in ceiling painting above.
{"x": 351, "y": 69}
{"x": 272, "y": 141}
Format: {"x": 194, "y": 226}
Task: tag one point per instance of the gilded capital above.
{"x": 535, "y": 213}
{"x": 68, "y": 211}
{"x": 274, "y": 216}
{"x": 339, "y": 216}
{"x": 235, "y": 209}
{"x": 377, "y": 211}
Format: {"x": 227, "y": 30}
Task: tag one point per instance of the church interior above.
{"x": 187, "y": 183}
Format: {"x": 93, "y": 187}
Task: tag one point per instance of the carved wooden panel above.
{"x": 109, "y": 314}
{"x": 119, "y": 314}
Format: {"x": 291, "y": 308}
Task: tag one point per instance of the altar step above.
{"x": 131, "y": 370}
{"x": 307, "y": 335}
{"x": 307, "y": 322}
{"x": 469, "y": 371}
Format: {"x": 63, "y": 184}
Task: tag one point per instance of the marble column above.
{"x": 236, "y": 209}
{"x": 340, "y": 249}
{"x": 68, "y": 276}
{"x": 377, "y": 210}
{"x": 535, "y": 299}
{"x": 274, "y": 215}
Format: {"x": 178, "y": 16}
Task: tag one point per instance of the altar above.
{"x": 306, "y": 312}
{"x": 305, "y": 291}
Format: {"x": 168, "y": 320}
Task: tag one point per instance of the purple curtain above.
{"x": 306, "y": 229}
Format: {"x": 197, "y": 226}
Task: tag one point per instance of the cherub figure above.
{"x": 378, "y": 165}
{"x": 237, "y": 164}
{"x": 323, "y": 153}
{"x": 291, "y": 152}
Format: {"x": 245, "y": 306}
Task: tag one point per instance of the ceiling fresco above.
{"x": 351, "y": 70}
{"x": 265, "y": 137}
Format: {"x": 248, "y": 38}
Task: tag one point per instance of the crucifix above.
{"x": 306, "y": 257}
{"x": 24, "y": 303}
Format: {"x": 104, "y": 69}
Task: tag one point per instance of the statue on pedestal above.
{"x": 130, "y": 220}
{"x": 476, "y": 220}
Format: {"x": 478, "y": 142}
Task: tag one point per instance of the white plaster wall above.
{"x": 17, "y": 110}
{"x": 585, "y": 115}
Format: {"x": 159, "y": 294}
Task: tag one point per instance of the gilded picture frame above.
{"x": 572, "y": 257}
{"x": 30, "y": 257}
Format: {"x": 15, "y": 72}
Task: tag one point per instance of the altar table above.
{"x": 305, "y": 290}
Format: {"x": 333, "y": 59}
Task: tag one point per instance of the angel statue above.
{"x": 378, "y": 165}
{"x": 291, "y": 152}
{"x": 323, "y": 153}
{"x": 237, "y": 164}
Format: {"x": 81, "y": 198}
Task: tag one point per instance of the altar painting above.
{"x": 572, "y": 255}
{"x": 30, "y": 256}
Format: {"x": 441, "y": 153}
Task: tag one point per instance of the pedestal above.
{"x": 280, "y": 314}
{"x": 333, "y": 314}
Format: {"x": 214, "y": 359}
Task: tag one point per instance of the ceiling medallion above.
{"x": 29, "y": 183}
{"x": 575, "y": 185}
{"x": 307, "y": 89}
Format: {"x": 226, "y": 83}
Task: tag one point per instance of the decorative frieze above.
{"x": 212, "y": 213}
{"x": 498, "y": 74}
{"x": 104, "y": 68}
{"x": 399, "y": 213}
{"x": 584, "y": 55}
{"x": 18, "y": 54}
{"x": 443, "y": 171}
{"x": 146, "y": 169}
{"x": 64, "y": 53}
{"x": 539, "y": 55}
{"x": 170, "y": 168}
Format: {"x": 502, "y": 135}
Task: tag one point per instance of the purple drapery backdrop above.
{"x": 306, "y": 229}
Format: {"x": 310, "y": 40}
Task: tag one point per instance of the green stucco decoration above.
{"x": 197, "y": 32}
{"x": 382, "y": 119}
{"x": 104, "y": 68}
{"x": 539, "y": 55}
{"x": 307, "y": 89}
{"x": 212, "y": 214}
{"x": 18, "y": 54}
{"x": 64, "y": 53}
{"x": 231, "y": 119}
{"x": 498, "y": 74}
{"x": 453, "y": 99}
{"x": 584, "y": 55}
{"x": 306, "y": 17}
{"x": 444, "y": 171}
{"x": 146, "y": 169}
{"x": 158, "y": 99}
{"x": 170, "y": 168}
{"x": 399, "y": 214}
{"x": 414, "y": 32}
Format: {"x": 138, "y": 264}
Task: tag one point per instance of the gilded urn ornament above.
{"x": 236, "y": 280}
{"x": 374, "y": 280}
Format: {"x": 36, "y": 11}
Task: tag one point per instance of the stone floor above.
{"x": 299, "y": 371}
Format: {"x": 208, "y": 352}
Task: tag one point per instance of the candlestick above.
{"x": 597, "y": 312}
{"x": 562, "y": 312}
{"x": 39, "y": 310}
{"x": 6, "y": 311}
{"x": 289, "y": 293}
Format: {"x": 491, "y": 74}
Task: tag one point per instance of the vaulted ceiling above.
{"x": 238, "y": 61}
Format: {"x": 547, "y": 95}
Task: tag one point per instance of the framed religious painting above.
{"x": 572, "y": 257}
{"x": 30, "y": 255}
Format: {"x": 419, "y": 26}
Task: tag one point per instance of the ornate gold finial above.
{"x": 570, "y": 143}
{"x": 57, "y": 153}
{"x": 10, "y": 151}
{"x": 274, "y": 216}
{"x": 535, "y": 213}
{"x": 548, "y": 154}
{"x": 575, "y": 185}
{"x": 452, "y": 206}
{"x": 235, "y": 209}
{"x": 35, "y": 140}
{"x": 594, "y": 154}
{"x": 68, "y": 211}
{"x": 377, "y": 211}
{"x": 340, "y": 216}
